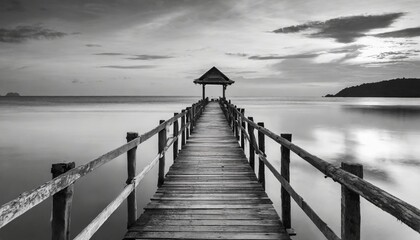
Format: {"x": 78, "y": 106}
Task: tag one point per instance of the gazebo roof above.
{"x": 214, "y": 76}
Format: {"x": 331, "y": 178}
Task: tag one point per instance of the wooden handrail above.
{"x": 398, "y": 208}
{"x": 29, "y": 199}
{"x": 100, "y": 219}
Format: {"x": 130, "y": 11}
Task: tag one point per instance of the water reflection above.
{"x": 381, "y": 134}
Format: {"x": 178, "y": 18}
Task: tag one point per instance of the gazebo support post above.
{"x": 204, "y": 91}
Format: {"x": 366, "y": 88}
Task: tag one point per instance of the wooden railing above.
{"x": 65, "y": 174}
{"x": 350, "y": 176}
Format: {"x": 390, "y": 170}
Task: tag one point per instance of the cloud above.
{"x": 237, "y": 54}
{"x": 395, "y": 55}
{"x": 149, "y": 57}
{"x": 129, "y": 67}
{"x": 93, "y": 45}
{"x": 13, "y": 6}
{"x": 293, "y": 56}
{"x": 344, "y": 29}
{"x": 20, "y": 34}
{"x": 348, "y": 49}
{"x": 403, "y": 33}
{"x": 245, "y": 72}
{"x": 76, "y": 81}
{"x": 109, "y": 54}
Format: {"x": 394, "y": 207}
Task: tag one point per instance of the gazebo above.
{"x": 214, "y": 77}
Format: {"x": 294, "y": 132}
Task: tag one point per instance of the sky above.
{"x": 158, "y": 47}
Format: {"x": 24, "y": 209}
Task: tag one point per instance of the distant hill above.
{"x": 400, "y": 87}
{"x": 12, "y": 94}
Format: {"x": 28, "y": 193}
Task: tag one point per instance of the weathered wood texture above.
{"x": 210, "y": 192}
{"x": 350, "y": 206}
{"x": 285, "y": 173}
{"x": 131, "y": 173}
{"x": 62, "y": 201}
{"x": 161, "y": 145}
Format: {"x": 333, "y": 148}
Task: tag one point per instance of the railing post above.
{"x": 187, "y": 129}
{"x": 61, "y": 207}
{"x": 231, "y": 118}
{"x": 350, "y": 206}
{"x": 161, "y": 147}
{"x": 261, "y": 165}
{"x": 131, "y": 173}
{"x": 251, "y": 144}
{"x": 192, "y": 112}
{"x": 285, "y": 173}
{"x": 237, "y": 124}
{"x": 175, "y": 131}
{"x": 242, "y": 130}
{"x": 182, "y": 127}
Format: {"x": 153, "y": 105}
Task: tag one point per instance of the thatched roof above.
{"x": 214, "y": 76}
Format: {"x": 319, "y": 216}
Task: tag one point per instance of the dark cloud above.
{"x": 403, "y": 33}
{"x": 22, "y": 33}
{"x": 109, "y": 54}
{"x": 149, "y": 57}
{"x": 12, "y": 6}
{"x": 76, "y": 81}
{"x": 93, "y": 45}
{"x": 129, "y": 67}
{"x": 396, "y": 55}
{"x": 237, "y": 54}
{"x": 344, "y": 29}
{"x": 292, "y": 56}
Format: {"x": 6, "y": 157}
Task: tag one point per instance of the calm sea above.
{"x": 381, "y": 134}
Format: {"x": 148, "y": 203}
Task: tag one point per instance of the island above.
{"x": 12, "y": 94}
{"x": 400, "y": 87}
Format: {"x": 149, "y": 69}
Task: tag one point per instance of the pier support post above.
{"x": 61, "y": 206}
{"x": 251, "y": 144}
{"x": 224, "y": 91}
{"x": 261, "y": 165}
{"x": 175, "y": 131}
{"x": 285, "y": 173}
{"x": 242, "y": 130}
{"x": 161, "y": 147}
{"x": 131, "y": 173}
{"x": 350, "y": 206}
{"x": 184, "y": 130}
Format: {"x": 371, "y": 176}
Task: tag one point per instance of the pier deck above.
{"x": 210, "y": 192}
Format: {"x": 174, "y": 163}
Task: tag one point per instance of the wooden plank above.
{"x": 211, "y": 192}
{"x": 191, "y": 228}
{"x": 205, "y": 235}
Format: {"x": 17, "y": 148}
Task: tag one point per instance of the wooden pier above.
{"x": 210, "y": 192}
{"x": 213, "y": 190}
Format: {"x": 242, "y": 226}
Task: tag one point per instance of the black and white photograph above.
{"x": 210, "y": 119}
